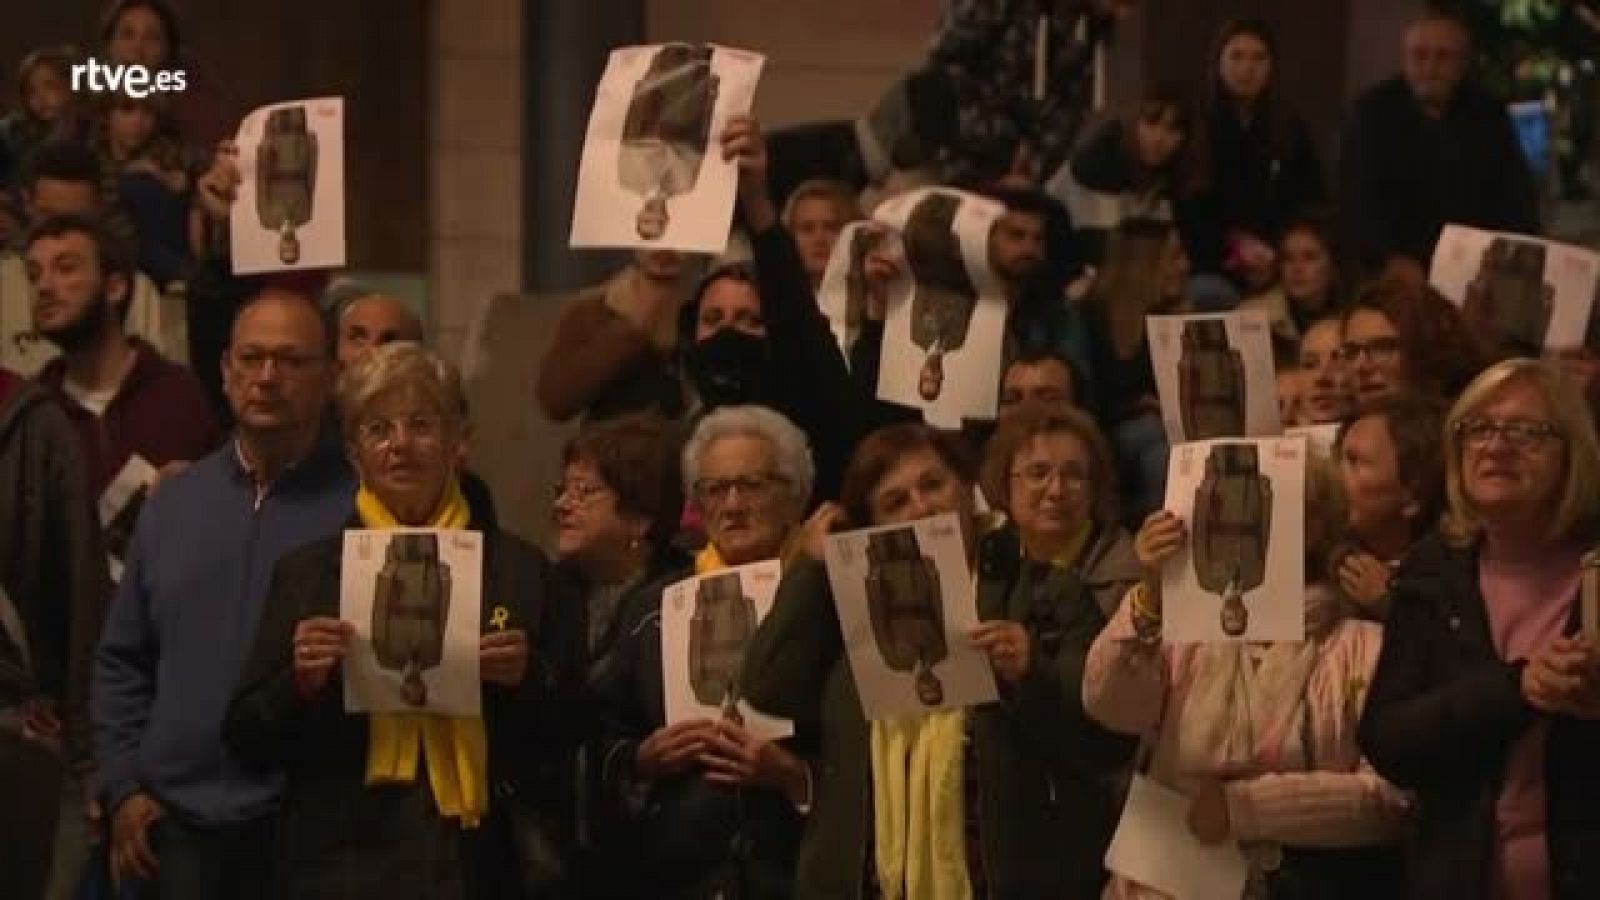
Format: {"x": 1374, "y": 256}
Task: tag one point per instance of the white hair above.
{"x": 789, "y": 445}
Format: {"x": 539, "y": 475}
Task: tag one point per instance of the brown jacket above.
{"x": 51, "y": 560}
{"x": 599, "y": 364}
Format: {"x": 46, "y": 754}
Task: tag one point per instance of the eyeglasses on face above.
{"x": 1379, "y": 350}
{"x": 377, "y": 433}
{"x": 717, "y": 491}
{"x": 1038, "y": 476}
{"x": 1519, "y": 434}
{"x": 575, "y": 491}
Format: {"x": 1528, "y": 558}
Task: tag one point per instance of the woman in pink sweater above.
{"x": 1261, "y": 737}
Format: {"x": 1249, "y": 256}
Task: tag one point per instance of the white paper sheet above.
{"x": 617, "y": 176}
{"x": 272, "y": 227}
{"x": 1196, "y": 608}
{"x": 686, "y": 611}
{"x": 1154, "y": 847}
{"x": 970, "y": 384}
{"x": 119, "y": 508}
{"x": 846, "y": 276}
{"x": 452, "y": 685}
{"x": 1566, "y": 280}
{"x": 1249, "y": 340}
{"x": 1319, "y": 438}
{"x": 926, "y": 662}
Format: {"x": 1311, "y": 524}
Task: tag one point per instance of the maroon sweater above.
{"x": 160, "y": 413}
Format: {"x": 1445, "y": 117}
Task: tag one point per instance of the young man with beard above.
{"x": 124, "y": 397}
{"x": 64, "y": 179}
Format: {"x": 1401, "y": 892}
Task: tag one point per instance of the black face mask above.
{"x": 730, "y": 368}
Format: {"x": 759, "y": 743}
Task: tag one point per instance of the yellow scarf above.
{"x": 708, "y": 560}
{"x": 919, "y": 807}
{"x": 457, "y": 749}
{"x": 1068, "y": 557}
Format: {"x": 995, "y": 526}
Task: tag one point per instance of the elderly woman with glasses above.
{"x": 705, "y": 807}
{"x": 1402, "y": 337}
{"x": 399, "y": 805}
{"x": 1010, "y": 799}
{"x": 1486, "y": 701}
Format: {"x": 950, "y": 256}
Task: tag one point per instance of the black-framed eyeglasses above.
{"x": 1379, "y": 350}
{"x": 578, "y": 492}
{"x": 1519, "y": 434}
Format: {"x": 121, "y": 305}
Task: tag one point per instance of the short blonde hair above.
{"x": 844, "y": 199}
{"x": 402, "y": 365}
{"x": 1577, "y": 511}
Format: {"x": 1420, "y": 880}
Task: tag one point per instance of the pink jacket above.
{"x": 1129, "y": 687}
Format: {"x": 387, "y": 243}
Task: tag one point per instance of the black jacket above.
{"x": 685, "y": 837}
{"x": 1251, "y": 184}
{"x": 1405, "y": 175}
{"x": 1045, "y": 770}
{"x": 339, "y": 838}
{"x": 1441, "y": 719}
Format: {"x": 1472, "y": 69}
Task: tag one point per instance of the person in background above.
{"x": 1253, "y": 166}
{"x": 1311, "y": 282}
{"x": 46, "y": 110}
{"x": 1145, "y": 273}
{"x": 64, "y": 179}
{"x": 1039, "y": 377}
{"x": 706, "y": 808}
{"x": 1391, "y": 464}
{"x": 1127, "y": 168}
{"x": 1485, "y": 701}
{"x": 616, "y": 511}
{"x": 1260, "y": 737}
{"x": 1428, "y": 147}
{"x": 814, "y": 214}
{"x": 365, "y": 320}
{"x": 53, "y": 570}
{"x": 386, "y": 805}
{"x": 146, "y": 175}
{"x": 125, "y": 399}
{"x": 146, "y": 33}
{"x": 1041, "y": 769}
{"x": 1402, "y": 336}
{"x": 1325, "y": 379}
{"x": 186, "y": 813}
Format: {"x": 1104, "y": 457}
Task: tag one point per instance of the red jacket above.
{"x": 160, "y": 412}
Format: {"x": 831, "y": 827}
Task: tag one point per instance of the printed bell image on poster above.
{"x": 905, "y": 600}
{"x": 290, "y": 210}
{"x": 845, "y": 295}
{"x": 652, "y": 173}
{"x": 1214, "y": 375}
{"x": 414, "y": 597}
{"x": 1522, "y": 292}
{"x": 706, "y": 622}
{"x": 944, "y": 331}
{"x": 1242, "y": 575}
{"x": 119, "y": 508}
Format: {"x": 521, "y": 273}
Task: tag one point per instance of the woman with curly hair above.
{"x": 1400, "y": 336}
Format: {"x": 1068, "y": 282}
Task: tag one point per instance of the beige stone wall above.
{"x": 475, "y": 237}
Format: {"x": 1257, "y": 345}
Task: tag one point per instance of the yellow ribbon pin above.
{"x": 499, "y": 617}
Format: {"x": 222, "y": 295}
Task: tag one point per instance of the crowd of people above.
{"x": 173, "y": 715}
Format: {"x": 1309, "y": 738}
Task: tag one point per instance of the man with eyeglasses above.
{"x": 186, "y": 815}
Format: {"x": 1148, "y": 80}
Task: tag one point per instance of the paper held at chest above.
{"x": 905, "y": 599}
{"x": 652, "y": 173}
{"x": 944, "y": 329}
{"x": 1241, "y": 576}
{"x": 290, "y": 211}
{"x": 706, "y": 623}
{"x": 119, "y": 509}
{"x": 1154, "y": 847}
{"x": 1214, "y": 375}
{"x": 1529, "y": 292}
{"x": 415, "y": 598}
